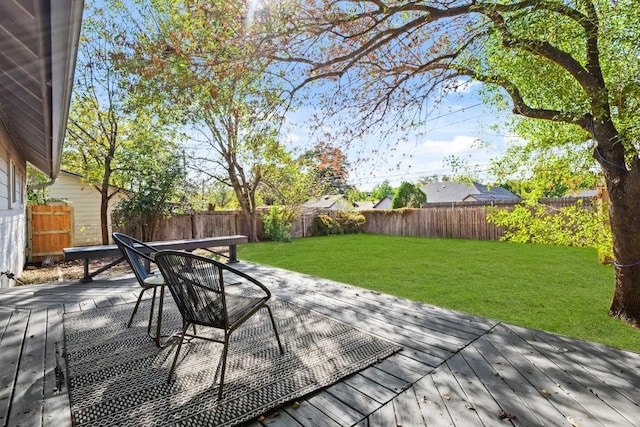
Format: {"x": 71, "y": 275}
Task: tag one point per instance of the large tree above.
{"x": 573, "y": 63}
{"x": 111, "y": 138}
{"x": 202, "y": 59}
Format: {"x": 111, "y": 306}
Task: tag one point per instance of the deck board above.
{"x": 383, "y": 417}
{"x": 26, "y": 407}
{"x": 431, "y": 403}
{"x": 57, "y": 406}
{"x": 455, "y": 399}
{"x": 308, "y": 415}
{"x": 454, "y": 369}
{"x": 373, "y": 390}
{"x": 479, "y": 398}
{"x": 11, "y": 343}
{"x": 407, "y": 410}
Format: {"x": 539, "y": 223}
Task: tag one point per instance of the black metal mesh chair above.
{"x": 139, "y": 255}
{"x": 199, "y": 287}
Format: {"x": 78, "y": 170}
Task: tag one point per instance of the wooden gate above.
{"x": 49, "y": 229}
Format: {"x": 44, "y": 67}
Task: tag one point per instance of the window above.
{"x": 15, "y": 186}
{"x": 13, "y": 190}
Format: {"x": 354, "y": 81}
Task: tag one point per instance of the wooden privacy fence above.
{"x": 466, "y": 220}
{"x": 442, "y": 222}
{"x": 190, "y": 226}
{"x": 49, "y": 230}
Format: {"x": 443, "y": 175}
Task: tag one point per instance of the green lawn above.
{"x": 553, "y": 288}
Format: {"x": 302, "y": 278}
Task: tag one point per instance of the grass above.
{"x": 553, "y": 288}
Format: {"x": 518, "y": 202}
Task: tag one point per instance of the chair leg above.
{"x": 159, "y": 320}
{"x": 135, "y": 309}
{"x": 224, "y": 364}
{"x": 153, "y": 306}
{"x": 185, "y": 326}
{"x": 275, "y": 330}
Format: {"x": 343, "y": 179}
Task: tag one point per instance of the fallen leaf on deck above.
{"x": 447, "y": 396}
{"x": 573, "y": 422}
{"x": 504, "y": 416}
{"x": 295, "y": 405}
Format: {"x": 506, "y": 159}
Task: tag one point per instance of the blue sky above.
{"x": 454, "y": 128}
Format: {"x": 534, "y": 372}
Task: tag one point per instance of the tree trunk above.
{"x": 623, "y": 186}
{"x": 248, "y": 218}
{"x": 104, "y": 208}
{"x": 624, "y": 211}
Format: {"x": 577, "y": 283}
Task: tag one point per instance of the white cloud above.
{"x": 460, "y": 144}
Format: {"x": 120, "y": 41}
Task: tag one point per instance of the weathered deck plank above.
{"x": 11, "y": 343}
{"x": 57, "y": 407}
{"x": 308, "y": 415}
{"x": 354, "y": 398}
{"x": 407, "y": 409}
{"x": 383, "y": 417}
{"x": 26, "y": 406}
{"x": 605, "y": 403}
{"x": 479, "y": 398}
{"x": 431, "y": 403}
{"x": 454, "y": 370}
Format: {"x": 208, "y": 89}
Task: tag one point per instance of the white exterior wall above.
{"x": 85, "y": 201}
{"x": 13, "y": 218}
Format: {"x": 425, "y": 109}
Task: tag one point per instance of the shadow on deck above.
{"x": 454, "y": 369}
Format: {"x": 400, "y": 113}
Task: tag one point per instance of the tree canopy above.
{"x": 202, "y": 59}
{"x": 111, "y": 137}
{"x": 573, "y": 63}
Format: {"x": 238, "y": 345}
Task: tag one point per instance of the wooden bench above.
{"x": 87, "y": 253}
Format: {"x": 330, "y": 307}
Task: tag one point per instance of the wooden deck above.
{"x": 454, "y": 370}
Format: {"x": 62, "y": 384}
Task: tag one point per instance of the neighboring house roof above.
{"x": 333, "y": 202}
{"x": 384, "y": 203}
{"x": 451, "y": 192}
{"x": 82, "y": 180}
{"x": 38, "y": 45}
{"x": 587, "y": 193}
{"x": 365, "y": 205}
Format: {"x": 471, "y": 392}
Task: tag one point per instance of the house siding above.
{"x": 13, "y": 230}
{"x": 85, "y": 201}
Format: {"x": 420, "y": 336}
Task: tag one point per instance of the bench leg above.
{"x": 233, "y": 254}
{"x": 87, "y": 277}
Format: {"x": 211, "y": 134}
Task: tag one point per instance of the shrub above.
{"x": 324, "y": 225}
{"x": 408, "y": 196}
{"x": 351, "y": 222}
{"x": 277, "y": 224}
{"x": 568, "y": 226}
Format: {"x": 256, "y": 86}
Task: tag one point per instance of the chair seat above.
{"x": 154, "y": 280}
{"x": 238, "y": 305}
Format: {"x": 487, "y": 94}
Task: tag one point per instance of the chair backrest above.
{"x": 132, "y": 250}
{"x": 197, "y": 286}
